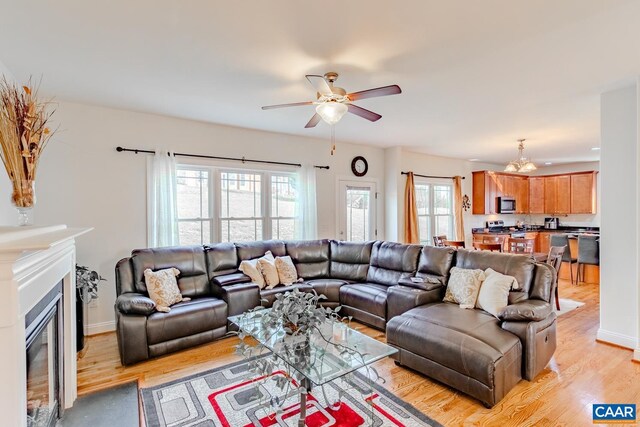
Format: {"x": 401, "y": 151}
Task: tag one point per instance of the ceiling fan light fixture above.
{"x": 331, "y": 111}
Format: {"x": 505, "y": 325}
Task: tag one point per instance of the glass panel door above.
{"x": 357, "y": 211}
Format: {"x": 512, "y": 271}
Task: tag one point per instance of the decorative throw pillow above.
{"x": 267, "y": 266}
{"x": 494, "y": 291}
{"x": 250, "y": 268}
{"x": 163, "y": 288}
{"x": 287, "y": 272}
{"x": 463, "y": 286}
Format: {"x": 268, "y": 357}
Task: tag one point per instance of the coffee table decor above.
{"x": 309, "y": 346}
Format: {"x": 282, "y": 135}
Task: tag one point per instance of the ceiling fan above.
{"x": 333, "y": 102}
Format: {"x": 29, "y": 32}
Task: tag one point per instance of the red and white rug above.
{"x": 227, "y": 397}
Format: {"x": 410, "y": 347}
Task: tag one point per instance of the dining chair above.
{"x": 438, "y": 241}
{"x": 554, "y": 259}
{"x": 520, "y": 245}
{"x": 454, "y": 243}
{"x": 563, "y": 240}
{"x": 493, "y": 247}
{"x": 588, "y": 253}
{"x": 491, "y": 239}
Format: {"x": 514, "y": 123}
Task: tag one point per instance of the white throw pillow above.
{"x": 287, "y": 272}
{"x": 463, "y": 286}
{"x": 163, "y": 288}
{"x": 250, "y": 268}
{"x": 267, "y": 266}
{"x": 494, "y": 292}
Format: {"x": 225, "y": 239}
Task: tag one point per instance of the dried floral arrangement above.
{"x": 24, "y": 133}
{"x": 87, "y": 282}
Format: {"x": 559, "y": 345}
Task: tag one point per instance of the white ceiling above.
{"x": 476, "y": 75}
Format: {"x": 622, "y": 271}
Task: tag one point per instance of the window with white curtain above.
{"x": 435, "y": 211}
{"x": 234, "y": 205}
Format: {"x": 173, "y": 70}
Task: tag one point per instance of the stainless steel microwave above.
{"x": 506, "y": 205}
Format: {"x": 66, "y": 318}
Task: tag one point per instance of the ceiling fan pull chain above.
{"x": 333, "y": 139}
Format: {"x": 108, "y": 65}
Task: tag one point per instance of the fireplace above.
{"x": 37, "y": 324}
{"x": 43, "y": 357}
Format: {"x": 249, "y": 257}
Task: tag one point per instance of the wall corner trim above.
{"x": 621, "y": 340}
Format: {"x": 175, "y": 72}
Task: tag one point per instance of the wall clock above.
{"x": 359, "y": 166}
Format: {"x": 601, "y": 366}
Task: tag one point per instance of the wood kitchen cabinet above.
{"x": 521, "y": 194}
{"x": 488, "y": 186}
{"x": 536, "y": 195}
{"x": 557, "y": 194}
{"x": 583, "y": 193}
{"x": 550, "y": 194}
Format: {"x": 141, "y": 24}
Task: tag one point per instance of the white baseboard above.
{"x": 636, "y": 354}
{"x": 99, "y": 328}
{"x": 618, "y": 339}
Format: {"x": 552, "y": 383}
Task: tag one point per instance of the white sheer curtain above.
{"x": 162, "y": 211}
{"x": 306, "y": 209}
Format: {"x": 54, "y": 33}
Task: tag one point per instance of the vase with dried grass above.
{"x": 23, "y": 135}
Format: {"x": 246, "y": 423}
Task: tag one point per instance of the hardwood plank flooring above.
{"x": 582, "y": 372}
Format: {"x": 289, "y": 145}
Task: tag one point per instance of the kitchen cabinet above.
{"x": 536, "y": 195}
{"x": 557, "y": 194}
{"x": 543, "y": 242}
{"x": 583, "y": 193}
{"x": 550, "y": 193}
{"x": 488, "y": 186}
{"x": 521, "y": 194}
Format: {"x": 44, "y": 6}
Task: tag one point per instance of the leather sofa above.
{"x": 469, "y": 350}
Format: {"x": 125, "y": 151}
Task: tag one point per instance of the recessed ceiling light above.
{"x": 548, "y": 163}
{"x": 473, "y": 160}
{"x": 595, "y": 148}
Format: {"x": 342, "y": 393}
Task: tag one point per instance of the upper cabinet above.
{"x": 573, "y": 193}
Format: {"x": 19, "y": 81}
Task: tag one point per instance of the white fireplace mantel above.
{"x": 32, "y": 261}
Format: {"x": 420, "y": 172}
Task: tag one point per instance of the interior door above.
{"x": 357, "y": 211}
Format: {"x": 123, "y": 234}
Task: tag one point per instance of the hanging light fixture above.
{"x": 331, "y": 111}
{"x": 522, "y": 164}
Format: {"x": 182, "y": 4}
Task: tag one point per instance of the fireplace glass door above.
{"x": 42, "y": 370}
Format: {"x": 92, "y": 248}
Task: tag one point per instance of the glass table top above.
{"x": 331, "y": 351}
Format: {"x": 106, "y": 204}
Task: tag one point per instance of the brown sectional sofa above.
{"x": 467, "y": 349}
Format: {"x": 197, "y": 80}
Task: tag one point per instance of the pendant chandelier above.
{"x": 522, "y": 164}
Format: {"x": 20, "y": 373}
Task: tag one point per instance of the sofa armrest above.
{"x": 528, "y": 311}
{"x": 239, "y": 297}
{"x": 538, "y": 343}
{"x": 231, "y": 279}
{"x": 427, "y": 283}
{"x": 134, "y": 303}
{"x": 403, "y": 298}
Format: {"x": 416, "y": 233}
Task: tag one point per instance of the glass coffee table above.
{"x": 323, "y": 355}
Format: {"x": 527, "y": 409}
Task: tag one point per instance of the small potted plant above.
{"x": 87, "y": 282}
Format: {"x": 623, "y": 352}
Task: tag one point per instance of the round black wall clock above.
{"x": 359, "y": 166}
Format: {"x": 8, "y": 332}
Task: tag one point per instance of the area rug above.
{"x": 568, "y": 305}
{"x": 103, "y": 408}
{"x": 227, "y": 397}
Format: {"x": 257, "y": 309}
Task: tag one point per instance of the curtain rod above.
{"x": 203, "y": 156}
{"x": 429, "y": 176}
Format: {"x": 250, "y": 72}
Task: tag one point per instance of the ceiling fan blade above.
{"x": 371, "y": 93}
{"x": 320, "y": 84}
{"x": 295, "y": 104}
{"x": 364, "y": 113}
{"x": 314, "y": 121}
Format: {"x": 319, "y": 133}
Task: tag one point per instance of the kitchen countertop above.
{"x": 538, "y": 228}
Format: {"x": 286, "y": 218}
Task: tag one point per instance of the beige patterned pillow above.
{"x": 494, "y": 292}
{"x": 286, "y": 270}
{"x": 463, "y": 287}
{"x": 163, "y": 288}
{"x": 267, "y": 266}
{"x": 250, "y": 268}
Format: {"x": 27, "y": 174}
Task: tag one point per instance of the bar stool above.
{"x": 563, "y": 240}
{"x": 588, "y": 253}
{"x": 519, "y": 245}
{"x": 554, "y": 259}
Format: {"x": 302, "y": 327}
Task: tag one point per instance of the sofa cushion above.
{"x": 392, "y": 261}
{"x": 190, "y": 260}
{"x": 185, "y": 319}
{"x": 369, "y": 297}
{"x": 519, "y": 266}
{"x": 311, "y": 257}
{"x": 250, "y": 250}
{"x": 269, "y": 295}
{"x": 435, "y": 263}
{"x": 350, "y": 260}
{"x": 330, "y": 288}
{"x": 231, "y": 279}
{"x": 470, "y": 342}
{"x": 222, "y": 258}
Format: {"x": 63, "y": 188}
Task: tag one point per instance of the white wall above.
{"x": 84, "y": 182}
{"x": 619, "y": 278}
{"x": 6, "y": 209}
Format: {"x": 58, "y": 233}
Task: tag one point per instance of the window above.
{"x": 357, "y": 211}
{"x": 221, "y": 205}
{"x": 194, "y": 213}
{"x": 435, "y": 211}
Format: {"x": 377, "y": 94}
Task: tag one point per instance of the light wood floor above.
{"x": 581, "y": 373}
